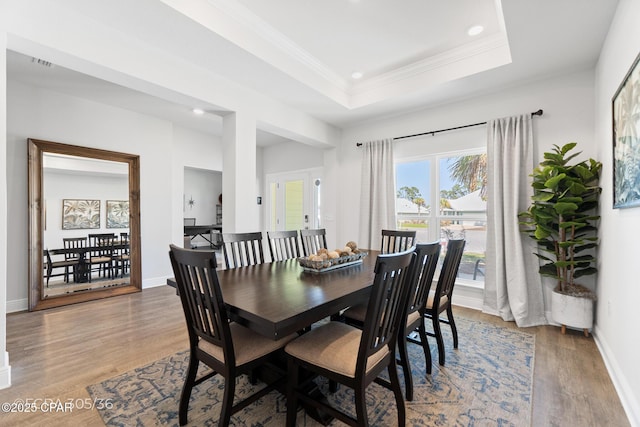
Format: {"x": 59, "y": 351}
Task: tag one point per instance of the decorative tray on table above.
{"x": 319, "y": 263}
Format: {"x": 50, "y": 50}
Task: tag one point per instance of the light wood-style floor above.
{"x": 55, "y": 354}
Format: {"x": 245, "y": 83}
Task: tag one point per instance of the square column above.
{"x": 240, "y": 212}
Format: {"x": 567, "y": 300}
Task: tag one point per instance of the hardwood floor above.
{"x": 56, "y": 353}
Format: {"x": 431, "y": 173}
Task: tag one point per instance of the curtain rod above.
{"x": 433, "y": 132}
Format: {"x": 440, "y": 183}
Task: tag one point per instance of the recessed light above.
{"x": 356, "y": 75}
{"x": 475, "y": 30}
{"x": 198, "y": 111}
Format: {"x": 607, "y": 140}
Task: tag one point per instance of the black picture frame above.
{"x": 625, "y": 108}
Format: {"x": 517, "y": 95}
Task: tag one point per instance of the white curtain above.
{"x": 513, "y": 288}
{"x": 378, "y": 198}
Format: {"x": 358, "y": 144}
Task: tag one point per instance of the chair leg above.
{"x": 189, "y": 382}
{"x": 452, "y": 323}
{"x": 425, "y": 346}
{"x": 438, "y": 333}
{"x": 227, "y": 400}
{"x": 395, "y": 386}
{"x": 361, "y": 401}
{"x": 406, "y": 367}
{"x": 292, "y": 396}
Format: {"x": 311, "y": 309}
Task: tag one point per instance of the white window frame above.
{"x": 434, "y": 218}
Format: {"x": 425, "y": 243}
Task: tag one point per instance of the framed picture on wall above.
{"x": 626, "y": 140}
{"x": 80, "y": 214}
{"x": 117, "y": 214}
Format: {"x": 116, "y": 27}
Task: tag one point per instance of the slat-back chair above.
{"x": 422, "y": 277}
{"x": 283, "y": 245}
{"x": 441, "y": 300}
{"x": 397, "y": 240}
{"x": 122, "y": 255}
{"x": 228, "y": 348}
{"x": 312, "y": 240}
{"x": 242, "y": 249}
{"x": 354, "y": 357}
{"x": 70, "y": 243}
{"x": 50, "y": 265}
{"x": 101, "y": 254}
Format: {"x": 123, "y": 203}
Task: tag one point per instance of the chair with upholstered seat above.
{"x": 50, "y": 265}
{"x": 440, "y": 300}
{"x": 229, "y": 349}
{"x": 122, "y": 255}
{"x": 312, "y": 240}
{"x": 351, "y": 356}
{"x": 71, "y": 244}
{"x": 397, "y": 240}
{"x": 422, "y": 277}
{"x": 242, "y": 249}
{"x": 101, "y": 254}
{"x": 283, "y": 245}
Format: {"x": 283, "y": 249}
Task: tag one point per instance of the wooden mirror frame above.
{"x": 36, "y": 150}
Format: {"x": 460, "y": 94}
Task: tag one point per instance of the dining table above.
{"x": 81, "y": 273}
{"x": 278, "y": 298}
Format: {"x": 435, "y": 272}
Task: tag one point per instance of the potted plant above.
{"x": 562, "y": 219}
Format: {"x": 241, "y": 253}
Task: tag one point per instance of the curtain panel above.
{"x": 513, "y": 289}
{"x": 378, "y": 198}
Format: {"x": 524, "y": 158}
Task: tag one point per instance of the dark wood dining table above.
{"x": 276, "y": 299}
{"x": 81, "y": 274}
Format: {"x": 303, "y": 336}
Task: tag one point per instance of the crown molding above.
{"x": 250, "y": 21}
{"x": 425, "y": 66}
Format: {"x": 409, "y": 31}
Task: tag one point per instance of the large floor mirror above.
{"x": 84, "y": 224}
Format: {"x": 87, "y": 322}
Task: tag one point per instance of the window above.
{"x": 443, "y": 197}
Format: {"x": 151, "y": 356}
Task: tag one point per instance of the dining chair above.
{"x": 228, "y": 348}
{"x": 50, "y": 265}
{"x": 69, "y": 244}
{"x": 242, "y": 249}
{"x": 420, "y": 283}
{"x": 283, "y": 245}
{"x": 189, "y": 221}
{"x": 101, "y": 254}
{"x": 351, "y": 356}
{"x": 122, "y": 255}
{"x": 312, "y": 240}
{"x": 440, "y": 300}
{"x": 397, "y": 240}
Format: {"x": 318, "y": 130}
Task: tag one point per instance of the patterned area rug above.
{"x": 487, "y": 381}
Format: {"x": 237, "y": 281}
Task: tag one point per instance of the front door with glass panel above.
{"x": 293, "y": 201}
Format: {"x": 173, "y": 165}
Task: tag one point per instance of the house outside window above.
{"x": 443, "y": 197}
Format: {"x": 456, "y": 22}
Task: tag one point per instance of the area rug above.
{"x": 487, "y": 381}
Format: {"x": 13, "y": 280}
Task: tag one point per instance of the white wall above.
{"x": 291, "y": 156}
{"x": 59, "y": 185}
{"x": 617, "y": 314}
{"x": 36, "y": 113}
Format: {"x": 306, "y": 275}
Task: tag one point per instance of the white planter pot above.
{"x": 572, "y": 311}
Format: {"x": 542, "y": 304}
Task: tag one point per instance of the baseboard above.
{"x": 17, "y": 305}
{"x": 468, "y": 296}
{"x": 5, "y": 372}
{"x": 625, "y": 392}
{"x": 155, "y": 282}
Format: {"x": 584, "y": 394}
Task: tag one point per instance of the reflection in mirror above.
{"x": 86, "y": 204}
{"x": 84, "y": 224}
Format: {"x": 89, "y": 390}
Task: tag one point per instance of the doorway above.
{"x": 293, "y": 201}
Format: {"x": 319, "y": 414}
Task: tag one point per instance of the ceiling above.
{"x": 414, "y": 54}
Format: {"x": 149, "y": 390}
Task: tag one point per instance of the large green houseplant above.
{"x": 563, "y": 219}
